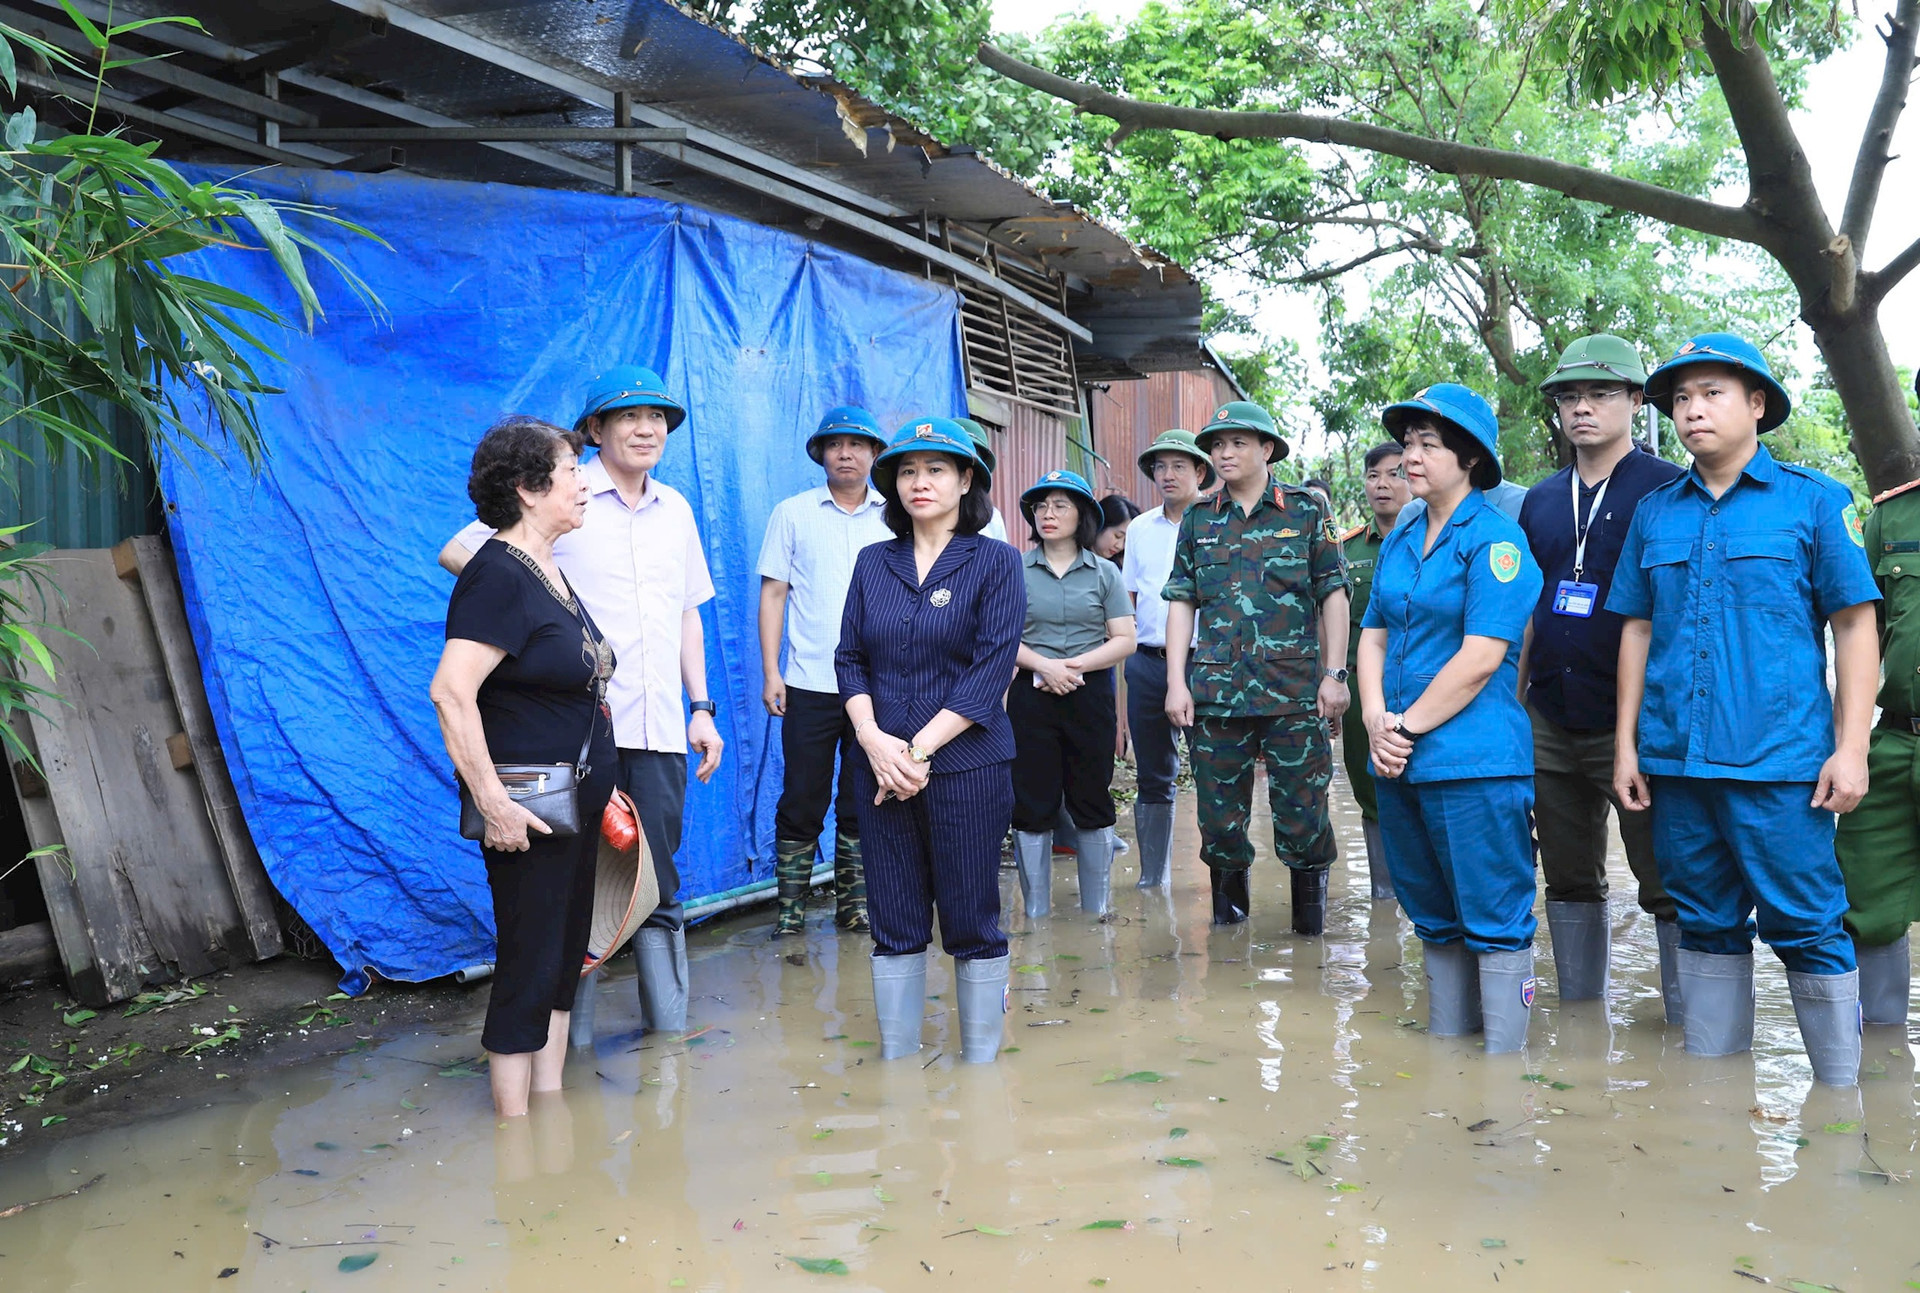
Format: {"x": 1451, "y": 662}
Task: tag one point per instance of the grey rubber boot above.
{"x": 899, "y": 1002}
{"x": 1453, "y": 990}
{"x": 1668, "y": 932}
{"x": 1718, "y": 996}
{"x": 1065, "y": 833}
{"x": 580, "y": 1022}
{"x": 981, "y": 987}
{"x": 1034, "y": 849}
{"x": 1886, "y": 979}
{"x": 1506, "y": 998}
{"x": 1095, "y": 857}
{"x": 661, "y": 955}
{"x": 1828, "y": 1008}
{"x": 1580, "y": 934}
{"x": 1153, "y": 827}
{"x": 1378, "y": 877}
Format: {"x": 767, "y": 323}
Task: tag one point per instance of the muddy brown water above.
{"x": 1178, "y": 1108}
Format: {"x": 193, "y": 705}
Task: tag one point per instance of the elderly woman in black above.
{"x": 523, "y": 680}
{"x": 927, "y": 644}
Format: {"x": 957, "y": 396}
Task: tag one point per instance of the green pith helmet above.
{"x": 1177, "y": 441}
{"x": 1602, "y": 357}
{"x": 1241, "y": 415}
{"x": 982, "y": 442}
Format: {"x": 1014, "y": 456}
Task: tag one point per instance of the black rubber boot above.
{"x": 1309, "y": 901}
{"x": 1230, "y": 900}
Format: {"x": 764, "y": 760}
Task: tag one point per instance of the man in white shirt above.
{"x": 983, "y": 445}
{"x": 806, "y": 566}
{"x": 1174, "y": 463}
{"x": 637, "y": 565}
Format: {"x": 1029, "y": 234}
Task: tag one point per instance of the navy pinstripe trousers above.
{"x": 939, "y": 850}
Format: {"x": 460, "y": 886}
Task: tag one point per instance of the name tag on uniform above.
{"x": 1576, "y": 599}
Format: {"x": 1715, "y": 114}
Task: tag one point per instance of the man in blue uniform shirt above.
{"x": 1573, "y": 649}
{"x": 1729, "y": 579}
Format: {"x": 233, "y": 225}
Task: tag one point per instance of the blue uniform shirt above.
{"x": 948, "y": 643}
{"x": 1574, "y": 661}
{"x": 1739, "y": 589}
{"x": 1480, "y": 581}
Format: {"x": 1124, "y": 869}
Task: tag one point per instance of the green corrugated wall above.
{"x": 73, "y": 501}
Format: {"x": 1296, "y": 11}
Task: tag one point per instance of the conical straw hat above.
{"x": 625, "y": 892}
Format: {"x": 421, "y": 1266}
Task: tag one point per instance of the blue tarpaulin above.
{"x": 312, "y": 588}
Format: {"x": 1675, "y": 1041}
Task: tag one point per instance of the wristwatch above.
{"x": 919, "y": 755}
{"x": 1400, "y": 729}
{"x": 704, "y": 707}
{"x": 1338, "y": 675}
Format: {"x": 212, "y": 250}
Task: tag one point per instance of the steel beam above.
{"x": 480, "y": 135}
{"x": 222, "y": 133}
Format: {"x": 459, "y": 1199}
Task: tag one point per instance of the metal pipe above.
{"x": 481, "y": 135}
{"x": 748, "y": 894}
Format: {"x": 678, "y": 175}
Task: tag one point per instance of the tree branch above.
{"x": 1326, "y": 272}
{"x": 1875, "y": 286}
{"x": 1582, "y": 183}
{"x": 1870, "y": 164}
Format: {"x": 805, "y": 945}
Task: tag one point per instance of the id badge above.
{"x": 1576, "y": 599}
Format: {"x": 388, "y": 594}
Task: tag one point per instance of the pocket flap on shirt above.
{"x": 1780, "y": 547}
{"x": 1666, "y": 552}
{"x": 1211, "y": 556}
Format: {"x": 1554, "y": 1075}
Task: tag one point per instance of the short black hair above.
{"x": 516, "y": 453}
{"x": 1117, "y": 510}
{"x": 1316, "y": 482}
{"x": 1381, "y": 452}
{"x": 1485, "y": 472}
{"x": 1085, "y": 530}
{"x": 976, "y": 507}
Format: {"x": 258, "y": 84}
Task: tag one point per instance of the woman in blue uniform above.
{"x": 927, "y": 646}
{"x": 1451, "y": 746}
{"x": 1079, "y": 624}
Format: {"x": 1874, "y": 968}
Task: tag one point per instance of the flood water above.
{"x": 1177, "y": 1108}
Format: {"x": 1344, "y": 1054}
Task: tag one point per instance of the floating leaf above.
{"x": 1403, "y": 1075}
{"x": 838, "y": 1037}
{"x": 1493, "y": 1243}
{"x": 1096, "y": 1010}
{"x": 1837, "y": 1129}
{"x": 823, "y": 1133}
{"x": 408, "y": 1104}
{"x": 1009, "y": 1050}
{"x": 1183, "y": 1162}
{"x": 1318, "y": 1144}
{"x": 1139, "y": 1075}
{"x": 52, "y": 1120}
{"x": 304, "y": 1171}
{"x": 824, "y": 1178}
{"x": 677, "y": 1282}
{"x": 358, "y": 1261}
{"x": 1105, "y": 1225}
{"x": 1482, "y": 1125}
{"x": 1098, "y": 1281}
{"x": 880, "y": 1193}
{"x": 820, "y": 1265}
{"x": 325, "y": 1144}
{"x": 1029, "y": 969}
{"x": 1176, "y": 1133}
{"x": 1066, "y": 956}
{"x": 1348, "y": 1187}
{"x": 992, "y": 1230}
{"x": 862, "y": 1042}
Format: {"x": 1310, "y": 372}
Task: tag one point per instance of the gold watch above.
{"x": 919, "y": 755}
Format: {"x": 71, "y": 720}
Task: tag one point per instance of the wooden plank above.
{"x": 152, "y": 885}
{"x": 252, "y": 890}
{"x": 71, "y": 939}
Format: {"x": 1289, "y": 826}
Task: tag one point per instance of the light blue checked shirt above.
{"x": 810, "y": 546}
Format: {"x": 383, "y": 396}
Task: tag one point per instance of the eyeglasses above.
{"x": 1572, "y": 399}
{"x": 1051, "y": 505}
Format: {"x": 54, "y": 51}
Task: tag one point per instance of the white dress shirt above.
{"x": 637, "y": 570}
{"x": 1148, "y": 562}
{"x": 810, "y": 546}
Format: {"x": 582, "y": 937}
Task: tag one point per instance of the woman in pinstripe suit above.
{"x": 927, "y": 647}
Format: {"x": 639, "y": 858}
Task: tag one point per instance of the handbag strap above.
{"x": 580, "y": 765}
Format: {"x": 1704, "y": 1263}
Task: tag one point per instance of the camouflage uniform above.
{"x": 1362, "y": 548}
{"x": 1256, "y": 583}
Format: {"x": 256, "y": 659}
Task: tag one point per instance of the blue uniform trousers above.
{"x": 1155, "y": 754}
{"x": 1461, "y": 857}
{"x": 938, "y": 850}
{"x": 1730, "y": 849}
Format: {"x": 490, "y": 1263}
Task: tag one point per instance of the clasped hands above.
{"x": 1060, "y": 677}
{"x": 894, "y": 769}
{"x": 1389, "y": 749}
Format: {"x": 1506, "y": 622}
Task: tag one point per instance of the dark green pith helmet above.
{"x": 1241, "y": 415}
{"x": 1602, "y": 357}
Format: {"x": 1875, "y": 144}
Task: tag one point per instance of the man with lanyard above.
{"x": 1879, "y": 842}
{"x": 806, "y": 565}
{"x": 1387, "y": 496}
{"x": 1573, "y": 649}
{"x": 1179, "y": 470}
{"x": 637, "y": 564}
{"x": 1258, "y": 569}
{"x": 1730, "y": 579}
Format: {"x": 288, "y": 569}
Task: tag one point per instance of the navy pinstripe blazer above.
{"x": 949, "y": 643}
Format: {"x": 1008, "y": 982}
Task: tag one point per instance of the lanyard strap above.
{"x": 1580, "y": 531}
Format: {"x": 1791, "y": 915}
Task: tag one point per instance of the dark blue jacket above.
{"x": 949, "y": 643}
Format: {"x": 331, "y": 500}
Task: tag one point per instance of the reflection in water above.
{"x": 1176, "y": 1108}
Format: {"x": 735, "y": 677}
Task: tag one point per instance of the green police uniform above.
{"x": 1256, "y": 583}
{"x": 1362, "y": 548}
{"x": 1878, "y": 843}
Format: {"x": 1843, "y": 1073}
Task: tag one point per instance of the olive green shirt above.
{"x": 1893, "y": 545}
{"x": 1067, "y": 614}
{"x": 1362, "y": 548}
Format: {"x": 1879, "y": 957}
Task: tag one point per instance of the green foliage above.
{"x": 99, "y": 316}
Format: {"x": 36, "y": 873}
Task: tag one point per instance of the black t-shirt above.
{"x": 536, "y": 706}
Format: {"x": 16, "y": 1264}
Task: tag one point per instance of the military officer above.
{"x": 1730, "y": 578}
{"x": 1386, "y": 485}
{"x": 1879, "y": 842}
{"x": 1258, "y": 566}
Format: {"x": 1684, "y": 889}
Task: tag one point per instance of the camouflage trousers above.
{"x": 1299, "y": 760}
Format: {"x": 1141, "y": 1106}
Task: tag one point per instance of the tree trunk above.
{"x": 1884, "y": 438}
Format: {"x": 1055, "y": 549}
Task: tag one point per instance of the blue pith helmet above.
{"x": 927, "y": 435}
{"x": 846, "y": 420}
{"x": 630, "y": 386}
{"x": 1721, "y": 348}
{"x": 1071, "y": 483}
{"x": 1457, "y": 406}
